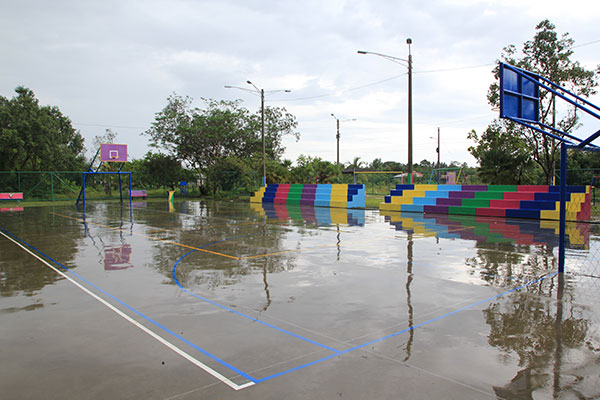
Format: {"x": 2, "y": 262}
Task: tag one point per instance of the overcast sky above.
{"x": 112, "y": 64}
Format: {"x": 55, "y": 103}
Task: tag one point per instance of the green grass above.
{"x": 373, "y": 200}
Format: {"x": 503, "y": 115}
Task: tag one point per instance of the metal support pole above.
{"x": 120, "y": 184}
{"x": 130, "y": 205}
{"x": 563, "y": 214}
{"x": 410, "y": 122}
{"x": 262, "y": 130}
{"x": 120, "y": 187}
{"x": 83, "y": 190}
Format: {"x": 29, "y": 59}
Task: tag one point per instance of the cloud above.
{"x": 114, "y": 63}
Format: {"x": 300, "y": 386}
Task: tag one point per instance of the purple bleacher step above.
{"x": 449, "y": 202}
{"x": 462, "y": 195}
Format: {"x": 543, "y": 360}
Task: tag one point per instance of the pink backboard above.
{"x": 111, "y": 152}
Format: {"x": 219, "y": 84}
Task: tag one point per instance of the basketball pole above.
{"x": 563, "y": 214}
{"x": 120, "y": 185}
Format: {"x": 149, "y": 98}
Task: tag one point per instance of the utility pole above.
{"x": 260, "y": 92}
{"x": 438, "y": 154}
{"x": 437, "y": 150}
{"x": 410, "y": 122}
{"x": 337, "y": 136}
{"x": 407, "y": 63}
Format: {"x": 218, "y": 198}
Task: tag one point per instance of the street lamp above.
{"x": 408, "y": 64}
{"x": 260, "y": 92}
{"x": 337, "y": 136}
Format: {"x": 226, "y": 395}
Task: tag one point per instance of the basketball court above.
{"x": 221, "y": 300}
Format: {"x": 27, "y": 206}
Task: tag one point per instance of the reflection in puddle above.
{"x": 490, "y": 230}
{"x": 539, "y": 341}
{"x": 117, "y": 257}
{"x": 549, "y": 340}
{"x": 323, "y": 216}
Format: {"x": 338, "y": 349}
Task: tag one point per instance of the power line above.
{"x": 336, "y": 92}
{"x": 455, "y": 69}
{"x": 449, "y": 122}
{"x": 110, "y": 126}
{"x": 383, "y": 81}
{"x": 586, "y": 44}
{"x": 346, "y": 90}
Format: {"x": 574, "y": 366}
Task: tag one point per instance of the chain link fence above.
{"x": 66, "y": 185}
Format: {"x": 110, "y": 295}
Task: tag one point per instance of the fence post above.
{"x": 52, "y": 185}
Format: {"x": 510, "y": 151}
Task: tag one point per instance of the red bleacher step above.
{"x": 491, "y": 212}
{"x": 505, "y": 204}
{"x": 519, "y": 196}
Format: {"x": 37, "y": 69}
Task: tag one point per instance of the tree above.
{"x": 503, "y": 157}
{"x": 276, "y": 171}
{"x": 37, "y": 138}
{"x": 204, "y": 137}
{"x": 355, "y": 164}
{"x": 549, "y": 56}
{"x": 313, "y": 170}
{"x": 377, "y": 164}
{"x": 231, "y": 174}
{"x": 582, "y": 167}
{"x": 394, "y": 166}
{"x": 156, "y": 170}
{"x": 278, "y": 123}
{"x": 426, "y": 165}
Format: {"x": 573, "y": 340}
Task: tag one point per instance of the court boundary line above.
{"x": 361, "y": 346}
{"x": 123, "y": 315}
{"x": 174, "y": 275}
{"x": 252, "y": 380}
{"x": 412, "y": 327}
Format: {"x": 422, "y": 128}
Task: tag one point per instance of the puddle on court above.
{"x": 349, "y": 275}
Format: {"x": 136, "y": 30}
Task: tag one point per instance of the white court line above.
{"x": 171, "y": 346}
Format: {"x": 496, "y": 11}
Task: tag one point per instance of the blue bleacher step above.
{"x": 412, "y": 208}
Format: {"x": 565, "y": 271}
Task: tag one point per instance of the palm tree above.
{"x": 355, "y": 164}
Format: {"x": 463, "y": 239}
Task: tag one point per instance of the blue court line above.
{"x": 196, "y": 347}
{"x": 285, "y": 372}
{"x": 405, "y": 330}
{"x": 511, "y": 278}
{"x": 237, "y": 312}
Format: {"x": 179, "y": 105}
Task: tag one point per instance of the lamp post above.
{"x": 337, "y": 136}
{"x": 260, "y": 92}
{"x": 407, "y": 63}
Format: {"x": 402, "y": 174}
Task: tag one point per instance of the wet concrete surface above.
{"x": 306, "y": 303}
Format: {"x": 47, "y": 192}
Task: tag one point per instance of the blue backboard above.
{"x": 519, "y": 94}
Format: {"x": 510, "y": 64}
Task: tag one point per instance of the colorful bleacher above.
{"x": 511, "y": 201}
{"x": 320, "y": 195}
